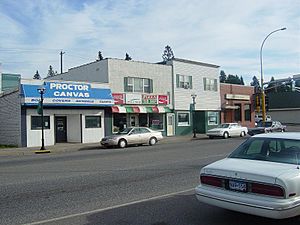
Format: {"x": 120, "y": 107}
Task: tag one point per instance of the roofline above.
{"x": 248, "y": 86}
{"x": 195, "y": 62}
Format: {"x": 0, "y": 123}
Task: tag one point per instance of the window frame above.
{"x": 46, "y": 120}
{"x": 184, "y": 124}
{"x": 94, "y": 116}
{"x": 216, "y": 116}
{"x": 132, "y": 82}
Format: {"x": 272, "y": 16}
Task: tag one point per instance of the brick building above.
{"x": 237, "y": 104}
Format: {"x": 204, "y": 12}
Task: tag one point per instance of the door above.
{"x": 60, "y": 129}
{"x": 133, "y": 120}
{"x": 170, "y": 124}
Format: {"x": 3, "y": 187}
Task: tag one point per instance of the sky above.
{"x": 228, "y": 33}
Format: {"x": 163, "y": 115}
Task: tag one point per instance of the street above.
{"x": 136, "y": 185}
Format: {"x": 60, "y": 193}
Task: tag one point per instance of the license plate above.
{"x": 237, "y": 185}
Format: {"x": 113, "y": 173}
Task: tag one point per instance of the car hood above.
{"x": 256, "y": 170}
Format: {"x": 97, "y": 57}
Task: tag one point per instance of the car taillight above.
{"x": 266, "y": 189}
{"x": 211, "y": 180}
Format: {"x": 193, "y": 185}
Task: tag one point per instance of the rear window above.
{"x": 269, "y": 149}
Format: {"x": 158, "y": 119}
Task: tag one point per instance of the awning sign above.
{"x": 67, "y": 93}
{"x": 149, "y": 99}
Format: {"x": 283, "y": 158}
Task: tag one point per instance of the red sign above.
{"x": 163, "y": 99}
{"x": 119, "y": 98}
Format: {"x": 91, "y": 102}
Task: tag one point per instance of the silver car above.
{"x": 132, "y": 136}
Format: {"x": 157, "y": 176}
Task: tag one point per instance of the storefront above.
{"x": 140, "y": 110}
{"x": 73, "y": 112}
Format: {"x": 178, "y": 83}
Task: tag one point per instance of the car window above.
{"x": 269, "y": 149}
{"x": 144, "y": 130}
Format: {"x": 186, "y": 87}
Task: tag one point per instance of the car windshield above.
{"x": 223, "y": 125}
{"x": 267, "y": 124}
{"x": 269, "y": 149}
{"x": 125, "y": 131}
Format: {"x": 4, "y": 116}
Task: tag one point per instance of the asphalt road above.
{"x": 136, "y": 185}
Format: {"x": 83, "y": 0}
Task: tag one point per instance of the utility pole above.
{"x": 61, "y": 61}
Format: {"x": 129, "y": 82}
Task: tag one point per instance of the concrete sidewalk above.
{"x": 72, "y": 147}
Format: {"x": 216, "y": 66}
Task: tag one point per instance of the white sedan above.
{"x": 261, "y": 177}
{"x": 226, "y": 130}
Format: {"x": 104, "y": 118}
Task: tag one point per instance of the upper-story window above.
{"x": 184, "y": 81}
{"x": 136, "y": 84}
{"x": 210, "y": 84}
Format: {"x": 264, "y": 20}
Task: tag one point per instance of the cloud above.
{"x": 227, "y": 33}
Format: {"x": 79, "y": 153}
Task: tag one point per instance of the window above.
{"x": 247, "y": 110}
{"x": 183, "y": 119}
{"x": 156, "y": 121}
{"x": 210, "y": 84}
{"x": 92, "y": 121}
{"x": 237, "y": 113}
{"x": 36, "y": 122}
{"x": 135, "y": 84}
{"x": 213, "y": 118}
{"x": 184, "y": 81}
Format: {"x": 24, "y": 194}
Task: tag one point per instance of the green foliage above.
{"x": 230, "y": 79}
{"x": 223, "y": 77}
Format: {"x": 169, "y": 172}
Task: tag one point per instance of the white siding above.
{"x": 10, "y": 119}
{"x": 205, "y": 100}
{"x": 160, "y": 74}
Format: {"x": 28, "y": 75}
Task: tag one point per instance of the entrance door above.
{"x": 60, "y": 129}
{"x": 170, "y": 124}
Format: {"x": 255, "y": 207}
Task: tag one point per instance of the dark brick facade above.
{"x": 234, "y": 107}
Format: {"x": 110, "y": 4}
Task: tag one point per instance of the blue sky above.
{"x": 227, "y": 33}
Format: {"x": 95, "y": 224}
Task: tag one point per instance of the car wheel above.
{"x": 225, "y": 135}
{"x": 152, "y": 141}
{"x": 122, "y": 143}
{"x": 243, "y": 134}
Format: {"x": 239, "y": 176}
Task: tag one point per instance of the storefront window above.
{"x": 213, "y": 118}
{"x": 156, "y": 121}
{"x": 237, "y": 113}
{"x": 119, "y": 122}
{"x": 92, "y": 121}
{"x": 247, "y": 109}
{"x": 36, "y": 122}
{"x": 183, "y": 119}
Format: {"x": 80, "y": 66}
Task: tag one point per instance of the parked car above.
{"x": 261, "y": 177}
{"x": 268, "y": 126}
{"x": 226, "y": 130}
{"x": 259, "y": 118}
{"x": 133, "y": 136}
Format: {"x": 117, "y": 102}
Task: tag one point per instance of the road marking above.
{"x": 109, "y": 208}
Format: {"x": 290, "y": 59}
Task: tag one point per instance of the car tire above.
{"x": 122, "y": 143}
{"x": 225, "y": 135}
{"x": 243, "y": 134}
{"x": 152, "y": 141}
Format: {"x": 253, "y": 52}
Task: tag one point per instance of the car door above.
{"x": 233, "y": 130}
{"x": 134, "y": 136}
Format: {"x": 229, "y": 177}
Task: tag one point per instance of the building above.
{"x": 73, "y": 112}
{"x": 9, "y": 81}
{"x": 156, "y": 95}
{"x": 237, "y": 104}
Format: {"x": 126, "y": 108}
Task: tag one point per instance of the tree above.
{"x": 242, "y": 81}
{"x": 233, "y": 79}
{"x": 255, "y": 84}
{"x": 37, "y": 75}
{"x": 168, "y": 54}
{"x": 222, "y": 77}
{"x": 51, "y": 72}
{"x": 100, "y": 57}
{"x": 127, "y": 57}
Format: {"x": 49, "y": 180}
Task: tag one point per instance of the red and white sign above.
{"x": 163, "y": 100}
{"x": 119, "y": 98}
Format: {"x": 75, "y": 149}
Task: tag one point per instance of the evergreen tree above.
{"x": 242, "y": 81}
{"x": 255, "y": 84}
{"x": 51, "y": 72}
{"x": 37, "y": 75}
{"x": 168, "y": 54}
{"x": 127, "y": 57}
{"x": 100, "y": 57}
{"x": 222, "y": 77}
{"x": 231, "y": 79}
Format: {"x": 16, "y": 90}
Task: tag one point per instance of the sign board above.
{"x": 132, "y": 98}
{"x": 163, "y": 99}
{"x": 67, "y": 93}
{"x": 237, "y": 97}
{"x": 149, "y": 99}
{"x": 119, "y": 98}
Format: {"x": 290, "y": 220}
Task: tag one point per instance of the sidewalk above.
{"x": 72, "y": 147}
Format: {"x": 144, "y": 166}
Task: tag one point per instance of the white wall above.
{"x": 205, "y": 100}
{"x": 73, "y": 126}
{"x": 91, "y": 135}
